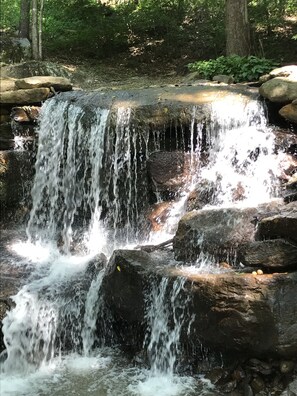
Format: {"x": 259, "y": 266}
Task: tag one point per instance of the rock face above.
{"x": 234, "y": 313}
{"x": 168, "y": 170}
{"x": 276, "y": 254}
{"x": 216, "y": 231}
{"x": 240, "y": 313}
{"x": 225, "y": 232}
{"x": 16, "y": 174}
{"x": 283, "y": 225}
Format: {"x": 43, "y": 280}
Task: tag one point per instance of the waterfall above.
{"x": 242, "y": 157}
{"x": 89, "y": 197}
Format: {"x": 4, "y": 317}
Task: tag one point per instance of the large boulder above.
{"x": 280, "y": 89}
{"x": 14, "y": 49}
{"x": 239, "y": 312}
{"x": 284, "y": 71}
{"x": 229, "y": 312}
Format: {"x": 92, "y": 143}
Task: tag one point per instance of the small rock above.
{"x": 223, "y": 78}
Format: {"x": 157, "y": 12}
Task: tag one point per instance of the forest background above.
{"x": 153, "y": 35}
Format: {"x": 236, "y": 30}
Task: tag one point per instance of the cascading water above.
{"x": 89, "y": 196}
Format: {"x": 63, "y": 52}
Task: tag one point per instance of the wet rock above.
{"x": 158, "y": 215}
{"x": 237, "y": 312}
{"x": 57, "y": 83}
{"x": 283, "y": 225}
{"x": 201, "y": 195}
{"x": 259, "y": 366}
{"x": 272, "y": 254}
{"x": 216, "y": 374}
{"x": 233, "y": 313}
{"x": 168, "y": 170}
{"x": 248, "y": 391}
{"x": 16, "y": 176}
{"x": 216, "y": 231}
{"x": 25, "y": 96}
{"x": 290, "y": 192}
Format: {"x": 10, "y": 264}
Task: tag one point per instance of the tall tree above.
{"x": 36, "y": 30}
{"x": 24, "y": 28}
{"x": 237, "y": 28}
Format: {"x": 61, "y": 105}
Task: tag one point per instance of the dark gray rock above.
{"x": 233, "y": 313}
{"x": 283, "y": 225}
{"x": 216, "y": 231}
{"x": 272, "y": 254}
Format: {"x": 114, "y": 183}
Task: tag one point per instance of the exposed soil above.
{"x": 116, "y": 73}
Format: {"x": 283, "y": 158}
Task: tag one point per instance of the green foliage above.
{"x": 151, "y": 29}
{"x": 248, "y": 68}
{"x": 9, "y": 14}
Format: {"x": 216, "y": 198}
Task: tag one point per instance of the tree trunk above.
{"x": 40, "y": 29}
{"x": 35, "y": 51}
{"x": 24, "y": 28}
{"x": 237, "y": 28}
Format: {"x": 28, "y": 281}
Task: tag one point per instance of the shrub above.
{"x": 247, "y": 68}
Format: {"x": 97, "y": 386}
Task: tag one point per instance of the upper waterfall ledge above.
{"x": 162, "y": 103}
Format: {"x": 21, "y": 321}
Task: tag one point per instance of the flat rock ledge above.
{"x": 31, "y": 90}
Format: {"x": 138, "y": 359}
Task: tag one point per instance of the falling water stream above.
{"x": 88, "y": 197}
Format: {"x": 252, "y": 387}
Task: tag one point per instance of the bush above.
{"x": 247, "y": 68}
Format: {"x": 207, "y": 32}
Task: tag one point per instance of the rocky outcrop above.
{"x": 233, "y": 313}
{"x": 34, "y": 68}
{"x": 224, "y": 233}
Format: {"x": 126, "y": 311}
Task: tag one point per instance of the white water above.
{"x": 84, "y": 170}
